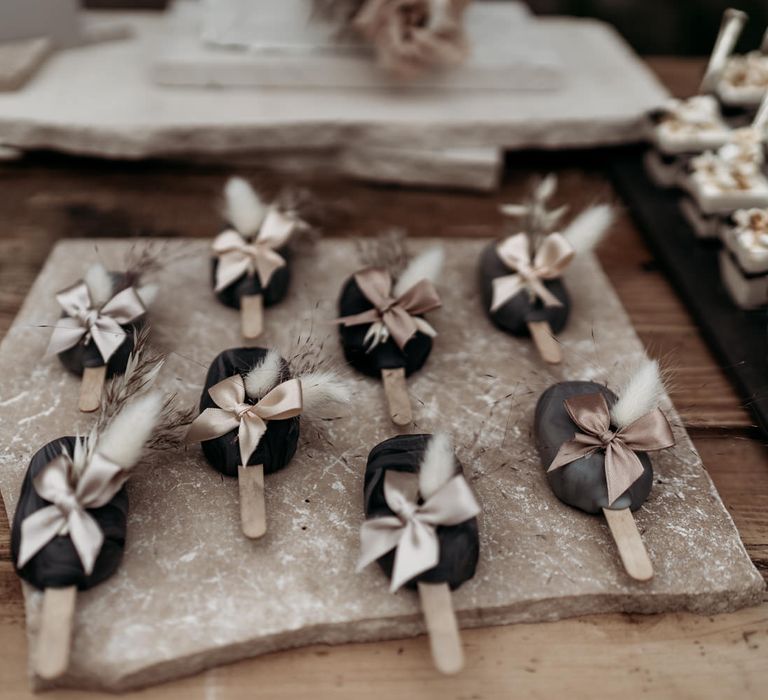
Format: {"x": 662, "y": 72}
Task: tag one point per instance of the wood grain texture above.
{"x": 44, "y": 198}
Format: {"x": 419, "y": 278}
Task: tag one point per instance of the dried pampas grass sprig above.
{"x": 428, "y": 265}
{"x": 387, "y": 251}
{"x": 172, "y": 426}
{"x": 641, "y": 393}
{"x": 140, "y": 372}
{"x": 324, "y": 392}
{"x": 589, "y": 227}
{"x": 437, "y": 466}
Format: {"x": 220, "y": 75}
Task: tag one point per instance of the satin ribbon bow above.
{"x": 284, "y": 401}
{"x": 68, "y": 512}
{"x": 412, "y": 528}
{"x": 398, "y": 316}
{"x": 104, "y": 325}
{"x": 238, "y": 257}
{"x": 622, "y": 466}
{"x": 553, "y": 256}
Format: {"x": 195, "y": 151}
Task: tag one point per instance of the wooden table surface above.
{"x": 44, "y": 198}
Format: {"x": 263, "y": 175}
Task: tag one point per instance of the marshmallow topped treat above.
{"x": 744, "y": 259}
{"x": 731, "y": 178}
{"x": 744, "y": 80}
{"x": 521, "y": 276}
{"x": 689, "y": 126}
{"x": 593, "y": 445}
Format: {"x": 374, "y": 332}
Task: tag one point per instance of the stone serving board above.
{"x": 192, "y": 592}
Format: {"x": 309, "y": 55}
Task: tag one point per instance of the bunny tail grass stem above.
{"x": 324, "y": 393}
{"x": 99, "y": 283}
{"x": 642, "y": 392}
{"x": 243, "y": 208}
{"x": 438, "y": 465}
{"x": 589, "y": 227}
{"x": 264, "y": 376}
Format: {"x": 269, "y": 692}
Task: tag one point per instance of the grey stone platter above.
{"x": 192, "y": 592}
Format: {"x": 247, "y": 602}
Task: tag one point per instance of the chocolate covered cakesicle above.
{"x": 69, "y": 527}
{"x": 593, "y": 446}
{"x": 95, "y": 335}
{"x": 421, "y": 527}
{"x": 249, "y": 269}
{"x": 383, "y": 331}
{"x": 520, "y": 276}
{"x": 249, "y": 420}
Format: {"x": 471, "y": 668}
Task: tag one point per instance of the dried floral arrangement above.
{"x": 410, "y": 37}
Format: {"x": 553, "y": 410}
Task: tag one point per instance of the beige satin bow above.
{"x": 284, "y": 401}
{"x": 399, "y": 316}
{"x": 238, "y": 257}
{"x": 412, "y": 528}
{"x": 552, "y": 257}
{"x": 68, "y": 513}
{"x": 622, "y": 466}
{"x": 103, "y": 325}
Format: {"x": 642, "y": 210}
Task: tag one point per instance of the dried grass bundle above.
{"x": 386, "y": 251}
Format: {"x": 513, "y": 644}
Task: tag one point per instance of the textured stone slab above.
{"x": 192, "y": 592}
{"x": 113, "y": 109}
{"x": 287, "y": 49}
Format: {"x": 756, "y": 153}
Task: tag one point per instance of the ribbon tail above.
{"x": 37, "y": 530}
{"x": 369, "y": 316}
{"x": 400, "y": 325}
{"x": 232, "y": 266}
{"x": 417, "y": 552}
{"x": 504, "y": 288}
{"x": 569, "y": 452}
{"x": 540, "y": 290}
{"x": 622, "y": 469}
{"x": 108, "y": 336}
{"x": 267, "y": 263}
{"x": 66, "y": 334}
{"x": 377, "y": 537}
{"x": 252, "y": 429}
{"x": 210, "y": 424}
{"x": 87, "y": 538}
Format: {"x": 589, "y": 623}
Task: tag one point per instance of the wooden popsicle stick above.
{"x": 55, "y": 634}
{"x": 90, "y": 388}
{"x": 396, "y": 391}
{"x": 545, "y": 341}
{"x": 253, "y": 512}
{"x": 251, "y": 315}
{"x": 632, "y": 551}
{"x": 444, "y": 640}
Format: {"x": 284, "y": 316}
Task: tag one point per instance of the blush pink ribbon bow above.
{"x": 284, "y": 401}
{"x": 238, "y": 257}
{"x": 552, "y": 257}
{"x": 623, "y": 467}
{"x": 396, "y": 314}
{"x": 413, "y": 527}
{"x": 68, "y": 513}
{"x": 104, "y": 325}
